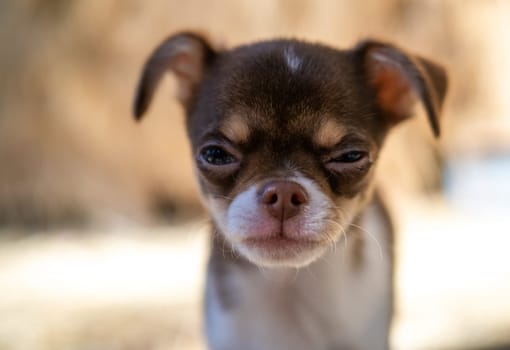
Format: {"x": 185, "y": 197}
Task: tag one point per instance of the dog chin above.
{"x": 290, "y": 254}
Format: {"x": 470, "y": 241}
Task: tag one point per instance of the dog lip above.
{"x": 279, "y": 241}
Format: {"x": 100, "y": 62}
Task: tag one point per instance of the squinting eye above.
{"x": 350, "y": 157}
{"x": 215, "y": 155}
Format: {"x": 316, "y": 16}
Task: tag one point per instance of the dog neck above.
{"x": 325, "y": 305}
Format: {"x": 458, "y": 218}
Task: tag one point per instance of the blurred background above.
{"x": 102, "y": 240}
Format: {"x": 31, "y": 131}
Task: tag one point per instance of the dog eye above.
{"x": 350, "y": 157}
{"x": 216, "y": 155}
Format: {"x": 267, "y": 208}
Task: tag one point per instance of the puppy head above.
{"x": 286, "y": 134}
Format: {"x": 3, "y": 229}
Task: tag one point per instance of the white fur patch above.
{"x": 238, "y": 214}
{"x": 293, "y": 61}
{"x": 244, "y": 218}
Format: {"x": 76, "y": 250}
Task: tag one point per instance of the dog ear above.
{"x": 400, "y": 80}
{"x": 187, "y": 55}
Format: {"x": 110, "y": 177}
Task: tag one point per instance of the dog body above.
{"x": 286, "y": 136}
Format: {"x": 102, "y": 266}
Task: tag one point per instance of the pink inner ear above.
{"x": 188, "y": 72}
{"x": 395, "y": 92}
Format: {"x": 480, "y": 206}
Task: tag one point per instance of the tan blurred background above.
{"x": 102, "y": 242}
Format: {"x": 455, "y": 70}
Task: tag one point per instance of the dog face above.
{"x": 286, "y": 134}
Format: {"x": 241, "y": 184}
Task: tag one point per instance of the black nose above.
{"x": 283, "y": 199}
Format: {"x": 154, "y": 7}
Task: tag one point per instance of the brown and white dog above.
{"x": 286, "y": 136}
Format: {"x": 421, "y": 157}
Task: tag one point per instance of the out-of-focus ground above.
{"x": 102, "y": 239}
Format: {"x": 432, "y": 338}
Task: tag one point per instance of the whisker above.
{"x": 223, "y": 197}
{"x": 342, "y": 230}
{"x": 223, "y": 248}
{"x": 310, "y": 272}
{"x": 262, "y": 271}
{"x": 371, "y": 236}
{"x": 233, "y": 251}
{"x": 296, "y": 273}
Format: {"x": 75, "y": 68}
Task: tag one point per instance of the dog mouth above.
{"x": 281, "y": 250}
{"x": 280, "y": 242}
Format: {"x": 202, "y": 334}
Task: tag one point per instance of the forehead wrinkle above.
{"x": 235, "y": 128}
{"x": 329, "y": 133}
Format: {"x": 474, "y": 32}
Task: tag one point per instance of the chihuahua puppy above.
{"x": 286, "y": 136}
